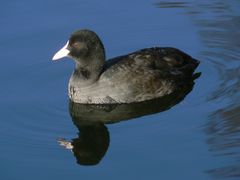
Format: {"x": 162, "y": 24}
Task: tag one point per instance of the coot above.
{"x": 139, "y": 76}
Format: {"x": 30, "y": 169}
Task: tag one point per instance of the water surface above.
{"x": 196, "y": 137}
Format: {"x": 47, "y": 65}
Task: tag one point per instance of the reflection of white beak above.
{"x": 65, "y": 143}
{"x": 61, "y": 53}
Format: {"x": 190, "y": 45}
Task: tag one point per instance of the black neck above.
{"x": 88, "y": 74}
{"x": 89, "y": 67}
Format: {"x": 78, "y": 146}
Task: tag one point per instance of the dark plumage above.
{"x": 142, "y": 75}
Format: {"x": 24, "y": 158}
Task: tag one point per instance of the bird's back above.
{"x": 166, "y": 60}
{"x": 147, "y": 73}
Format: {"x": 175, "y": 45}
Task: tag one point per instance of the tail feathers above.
{"x": 196, "y": 75}
{"x": 195, "y": 62}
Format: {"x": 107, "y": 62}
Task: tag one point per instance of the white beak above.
{"x": 61, "y": 53}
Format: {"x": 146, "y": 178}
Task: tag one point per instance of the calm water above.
{"x": 196, "y": 137}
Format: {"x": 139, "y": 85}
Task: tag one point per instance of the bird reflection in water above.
{"x": 93, "y": 137}
{"x": 91, "y": 144}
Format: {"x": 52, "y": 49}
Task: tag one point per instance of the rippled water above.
{"x": 193, "y": 135}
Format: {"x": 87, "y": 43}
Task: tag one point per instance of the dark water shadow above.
{"x": 218, "y": 25}
{"x": 173, "y": 4}
{"x": 219, "y": 28}
{"x": 223, "y": 139}
{"x": 93, "y": 137}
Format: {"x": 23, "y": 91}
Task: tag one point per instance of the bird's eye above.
{"x": 77, "y": 45}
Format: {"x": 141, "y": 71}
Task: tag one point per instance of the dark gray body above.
{"x": 142, "y": 75}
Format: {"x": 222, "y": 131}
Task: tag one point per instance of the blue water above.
{"x": 197, "y": 138}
